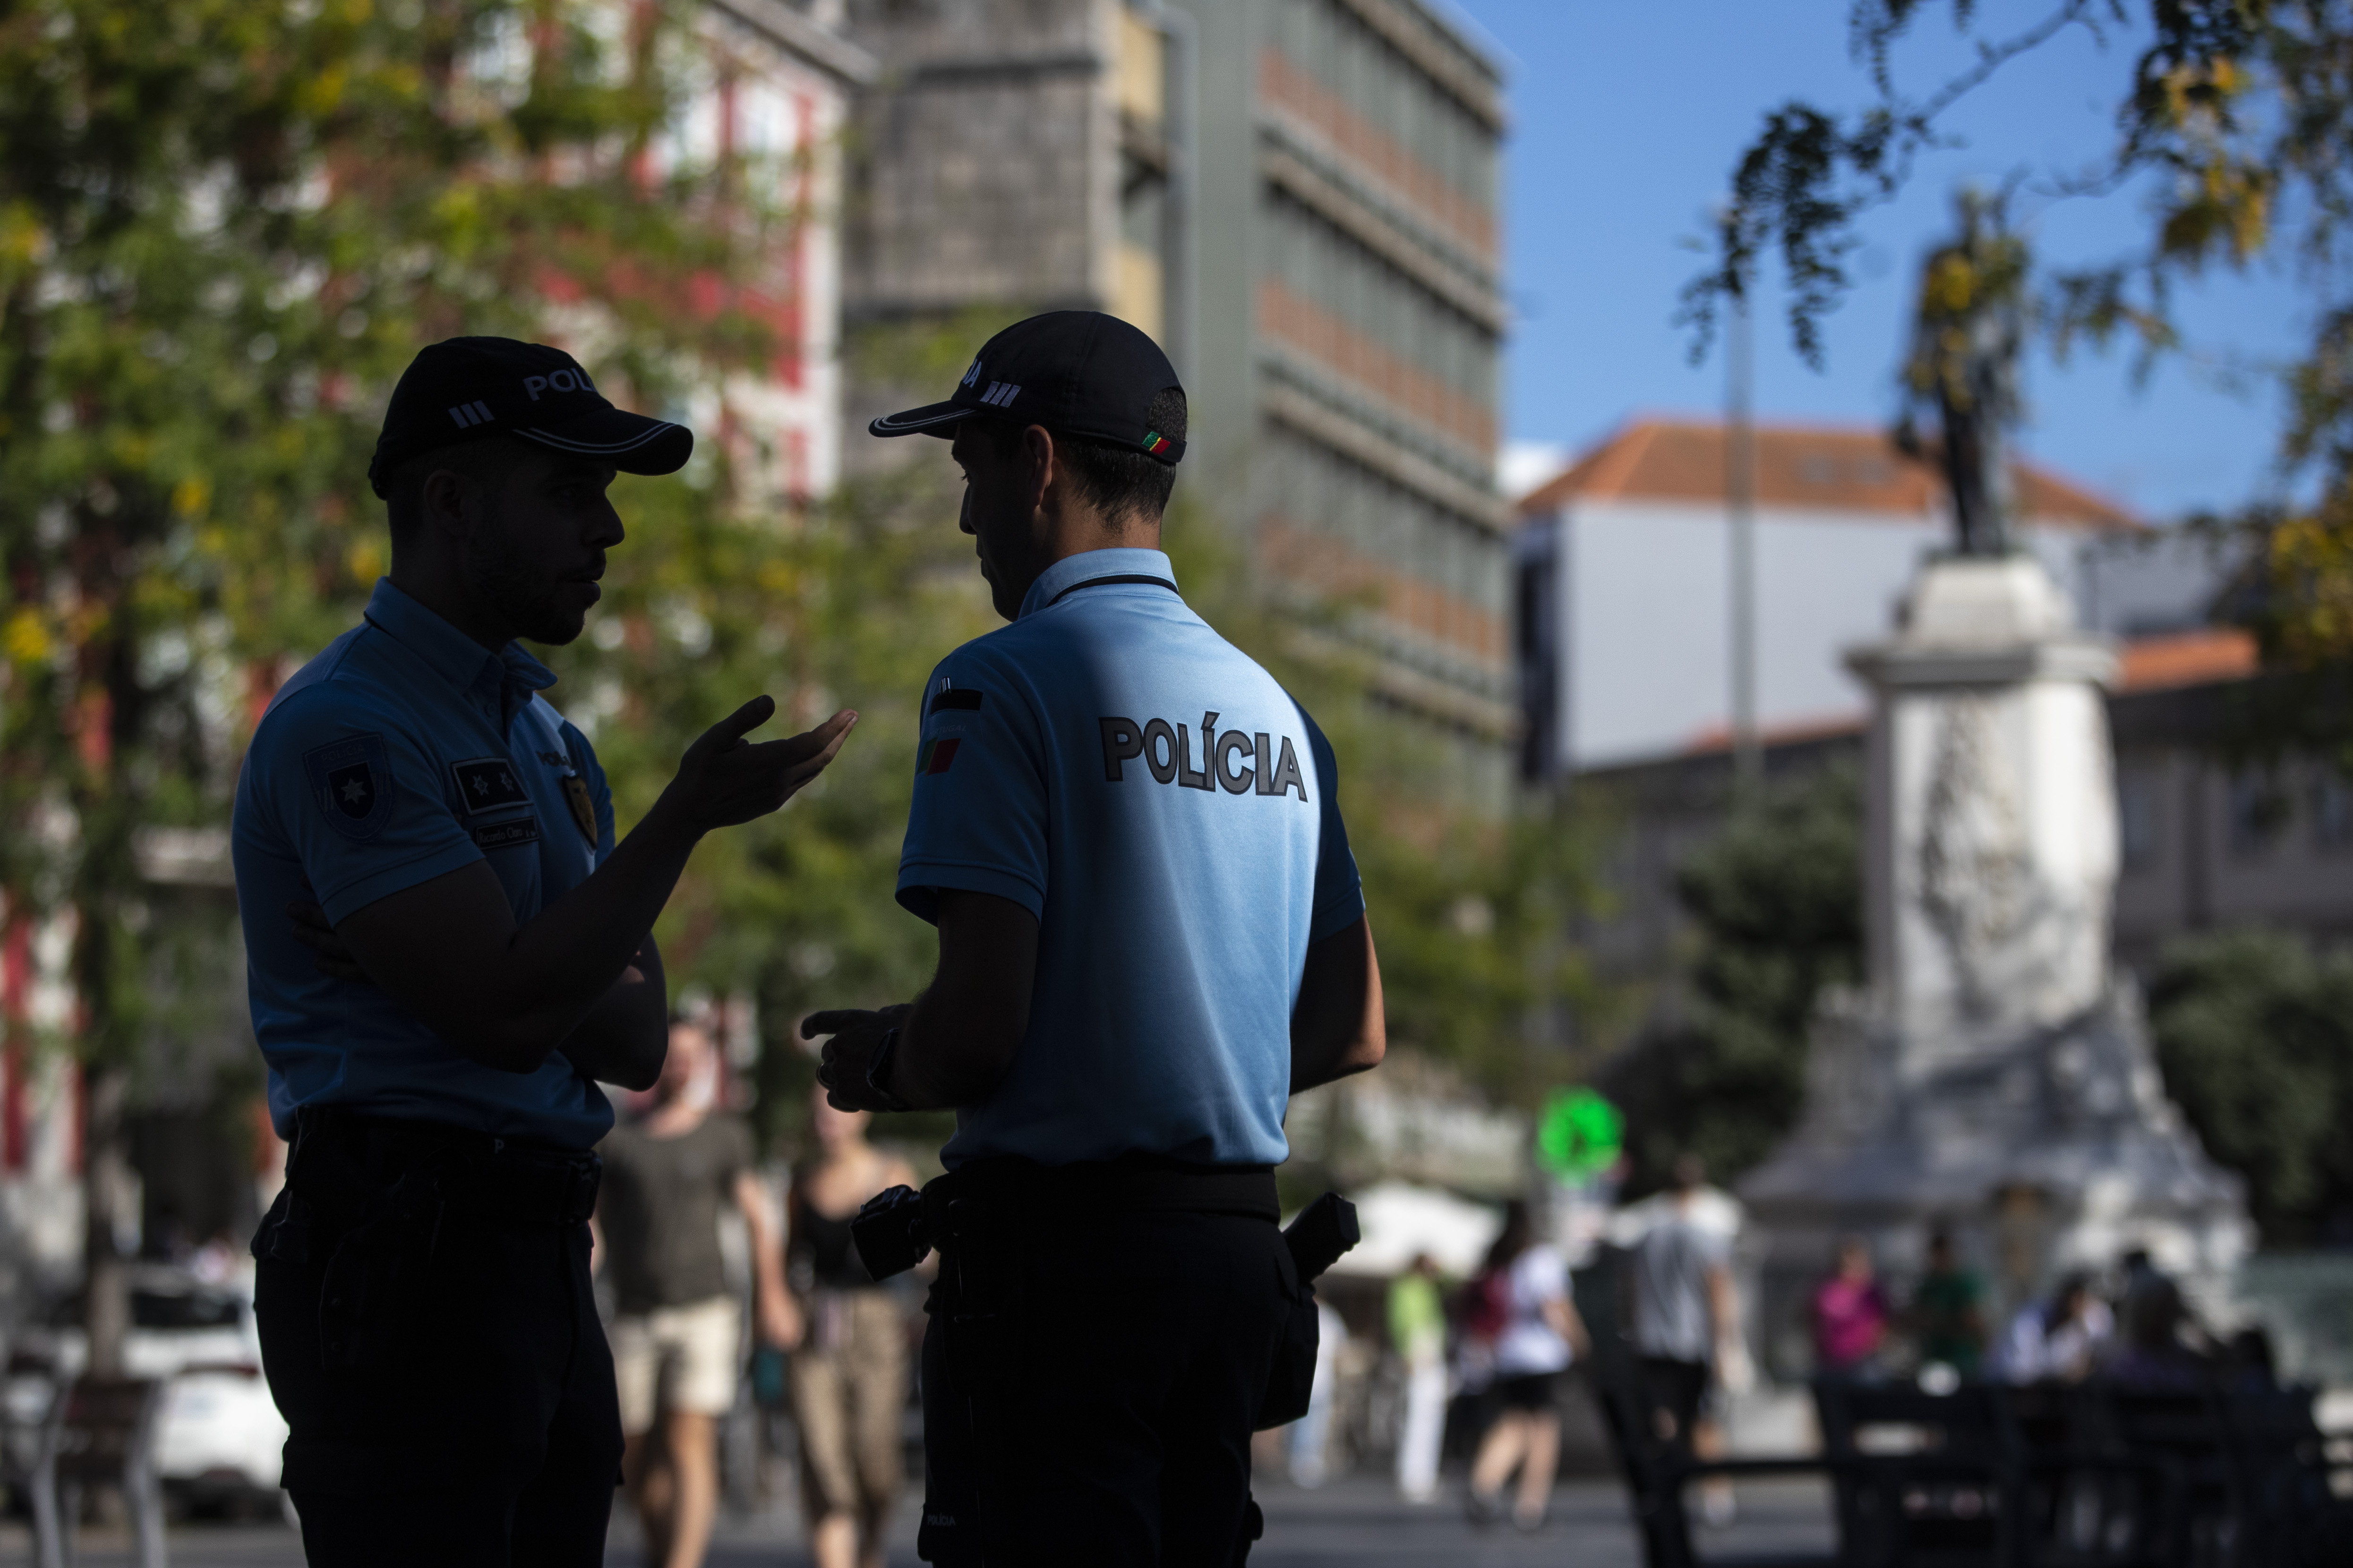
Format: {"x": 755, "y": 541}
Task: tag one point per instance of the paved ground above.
{"x": 1356, "y": 1521}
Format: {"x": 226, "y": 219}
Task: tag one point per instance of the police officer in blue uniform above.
{"x": 447, "y": 950}
{"x": 1151, "y": 934}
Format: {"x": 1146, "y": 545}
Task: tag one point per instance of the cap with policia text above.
{"x": 1078, "y": 372}
{"x": 469, "y": 389}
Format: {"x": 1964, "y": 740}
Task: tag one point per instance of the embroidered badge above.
{"x": 583, "y": 810}
{"x": 507, "y": 834}
{"x": 351, "y": 781}
{"x": 485, "y": 784}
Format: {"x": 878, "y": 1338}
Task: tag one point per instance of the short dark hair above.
{"x": 1118, "y": 481}
{"x": 404, "y": 488}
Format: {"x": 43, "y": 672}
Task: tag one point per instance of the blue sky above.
{"x": 1627, "y": 119}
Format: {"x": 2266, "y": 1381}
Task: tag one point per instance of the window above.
{"x": 2259, "y": 812}
{"x": 2138, "y": 793}
{"x": 2332, "y": 809}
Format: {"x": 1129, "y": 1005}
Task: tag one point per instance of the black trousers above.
{"x": 482, "y": 1431}
{"x": 1677, "y": 1388}
{"x": 1097, "y": 1408}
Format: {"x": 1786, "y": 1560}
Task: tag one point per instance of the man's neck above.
{"x": 1083, "y": 535}
{"x": 441, "y": 593}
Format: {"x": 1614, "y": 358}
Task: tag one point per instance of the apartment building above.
{"x": 1299, "y": 200}
{"x": 1625, "y": 561}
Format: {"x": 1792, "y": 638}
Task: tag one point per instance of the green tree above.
{"x": 1775, "y": 900}
{"x": 2231, "y": 121}
{"x": 2254, "y": 1034}
{"x": 224, "y": 230}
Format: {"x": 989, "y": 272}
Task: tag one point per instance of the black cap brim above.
{"x": 939, "y": 419}
{"x": 633, "y": 443}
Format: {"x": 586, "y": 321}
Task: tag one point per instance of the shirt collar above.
{"x": 1072, "y": 570}
{"x": 510, "y": 674}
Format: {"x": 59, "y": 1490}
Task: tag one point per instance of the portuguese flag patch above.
{"x": 1155, "y": 442}
{"x": 935, "y": 756}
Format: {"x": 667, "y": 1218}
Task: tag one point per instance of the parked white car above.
{"x": 219, "y": 1438}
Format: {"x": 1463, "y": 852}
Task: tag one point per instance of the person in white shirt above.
{"x": 2057, "y": 1340}
{"x": 1540, "y": 1335}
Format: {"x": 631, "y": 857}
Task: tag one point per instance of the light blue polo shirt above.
{"x": 1166, "y": 810}
{"x": 404, "y": 751}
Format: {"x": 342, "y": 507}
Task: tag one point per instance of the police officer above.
{"x": 446, "y": 952}
{"x": 1151, "y": 934}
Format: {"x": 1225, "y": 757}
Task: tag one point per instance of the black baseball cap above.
{"x": 469, "y": 389}
{"x": 1078, "y": 372}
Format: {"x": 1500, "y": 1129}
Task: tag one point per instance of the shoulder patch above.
{"x": 485, "y": 784}
{"x": 351, "y": 781}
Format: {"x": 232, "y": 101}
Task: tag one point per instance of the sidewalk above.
{"x": 1356, "y": 1520}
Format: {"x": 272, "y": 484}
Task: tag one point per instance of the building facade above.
{"x": 1624, "y": 582}
{"x": 2206, "y": 843}
{"x": 1299, "y": 200}
{"x": 774, "y": 84}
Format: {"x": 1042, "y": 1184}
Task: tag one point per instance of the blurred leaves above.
{"x": 2232, "y": 123}
{"x": 225, "y": 228}
{"x": 1776, "y": 899}
{"x": 2254, "y": 1034}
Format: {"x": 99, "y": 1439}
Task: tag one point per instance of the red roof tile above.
{"x": 1829, "y": 467}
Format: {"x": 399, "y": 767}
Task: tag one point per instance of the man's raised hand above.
{"x": 725, "y": 779}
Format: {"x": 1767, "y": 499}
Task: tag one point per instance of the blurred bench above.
{"x": 100, "y": 1432}
{"x": 1657, "y": 1474}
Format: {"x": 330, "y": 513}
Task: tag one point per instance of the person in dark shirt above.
{"x": 1948, "y": 1314}
{"x": 850, "y": 1368}
{"x": 666, "y": 1177}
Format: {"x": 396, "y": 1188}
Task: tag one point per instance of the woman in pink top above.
{"x": 1850, "y": 1312}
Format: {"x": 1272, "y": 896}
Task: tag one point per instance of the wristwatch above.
{"x": 877, "y": 1068}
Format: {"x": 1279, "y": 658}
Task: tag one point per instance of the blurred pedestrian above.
{"x": 2158, "y": 1356}
{"x": 1541, "y": 1334}
{"x": 447, "y": 951}
{"x": 2056, "y": 1339}
{"x": 1686, "y": 1322}
{"x": 1850, "y": 1313}
{"x": 1311, "y": 1434}
{"x": 1418, "y": 1329}
{"x": 678, "y": 1330}
{"x": 850, "y": 1367}
{"x": 1946, "y": 1316}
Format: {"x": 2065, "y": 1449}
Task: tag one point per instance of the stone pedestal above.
{"x": 1994, "y": 1077}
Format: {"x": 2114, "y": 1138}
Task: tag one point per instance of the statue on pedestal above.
{"x": 1994, "y": 1078}
{"x": 1967, "y": 332}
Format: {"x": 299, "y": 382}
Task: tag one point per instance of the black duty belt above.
{"x": 1132, "y": 1185}
{"x": 340, "y": 1161}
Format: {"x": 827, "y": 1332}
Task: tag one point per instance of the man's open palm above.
{"x": 725, "y": 779}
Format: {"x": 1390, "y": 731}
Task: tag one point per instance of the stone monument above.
{"x": 1994, "y": 1077}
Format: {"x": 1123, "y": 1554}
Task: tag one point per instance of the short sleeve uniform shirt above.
{"x": 403, "y": 753}
{"x": 1166, "y": 810}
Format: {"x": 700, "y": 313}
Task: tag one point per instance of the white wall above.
{"x": 1646, "y": 615}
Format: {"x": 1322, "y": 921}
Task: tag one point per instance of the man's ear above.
{"x": 1038, "y": 453}
{"x": 443, "y": 502}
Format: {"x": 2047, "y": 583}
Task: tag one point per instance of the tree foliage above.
{"x": 1775, "y": 901}
{"x": 2231, "y": 120}
{"x": 224, "y": 230}
{"x": 2254, "y": 1034}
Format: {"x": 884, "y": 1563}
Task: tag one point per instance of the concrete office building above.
{"x": 1299, "y": 198}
